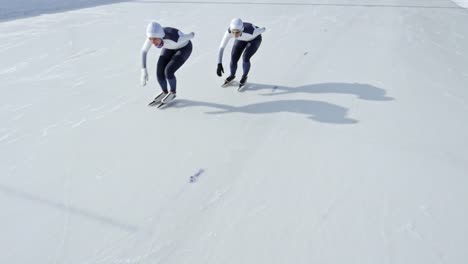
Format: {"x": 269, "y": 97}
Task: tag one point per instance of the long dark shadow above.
{"x": 314, "y": 110}
{"x": 303, "y": 4}
{"x": 362, "y": 91}
{"x": 71, "y": 209}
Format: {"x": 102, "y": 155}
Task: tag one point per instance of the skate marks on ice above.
{"x": 158, "y": 224}
{"x": 7, "y": 190}
{"x": 145, "y": 234}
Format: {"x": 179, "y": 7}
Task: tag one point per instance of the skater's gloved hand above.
{"x": 144, "y": 77}
{"x": 220, "y": 70}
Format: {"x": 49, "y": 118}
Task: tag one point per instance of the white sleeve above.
{"x": 223, "y": 44}
{"x": 258, "y": 31}
{"x": 144, "y": 52}
{"x": 185, "y": 37}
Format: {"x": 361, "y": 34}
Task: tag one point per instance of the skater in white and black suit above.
{"x": 176, "y": 49}
{"x": 247, "y": 40}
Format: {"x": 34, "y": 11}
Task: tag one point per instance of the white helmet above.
{"x": 154, "y": 30}
{"x": 236, "y": 23}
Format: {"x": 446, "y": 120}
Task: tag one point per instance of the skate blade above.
{"x": 153, "y": 103}
{"x": 241, "y": 87}
{"x": 228, "y": 84}
{"x": 164, "y": 105}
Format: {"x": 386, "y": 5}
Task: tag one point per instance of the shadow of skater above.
{"x": 362, "y": 91}
{"x": 315, "y": 110}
